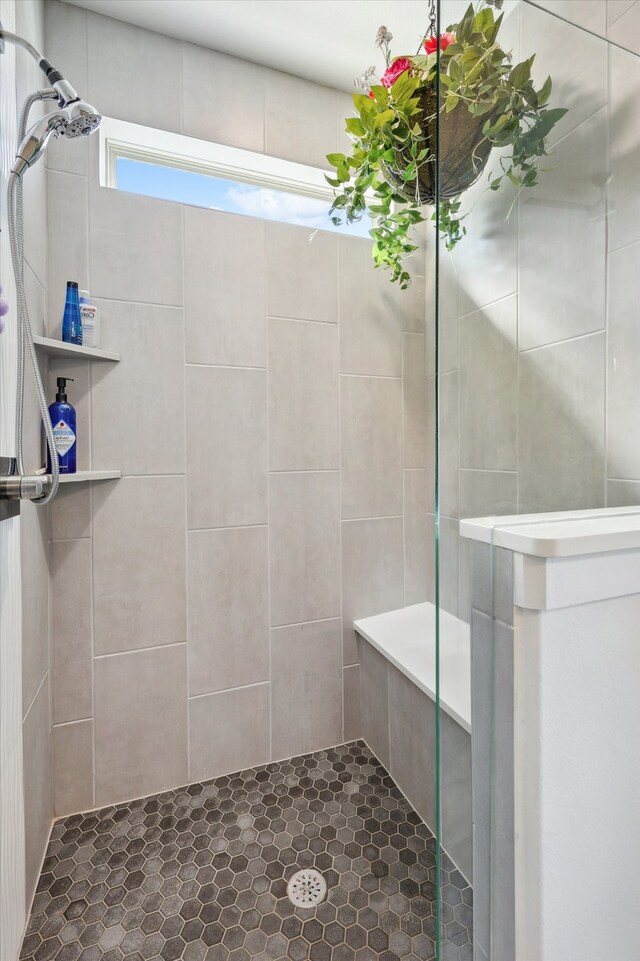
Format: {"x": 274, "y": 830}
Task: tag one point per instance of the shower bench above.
{"x": 397, "y": 652}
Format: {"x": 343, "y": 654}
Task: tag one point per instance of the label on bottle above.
{"x": 64, "y": 437}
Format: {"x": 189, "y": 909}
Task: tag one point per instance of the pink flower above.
{"x": 446, "y": 38}
{"x": 397, "y": 68}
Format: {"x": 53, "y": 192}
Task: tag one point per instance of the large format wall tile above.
{"x": 304, "y": 546}
{"x": 237, "y": 118}
{"x": 488, "y": 492}
{"x": 370, "y": 313}
{"x": 79, "y": 393}
{"x": 66, "y": 47}
{"x": 228, "y": 731}
{"x": 414, "y": 401}
{"x": 134, "y": 74}
{"x": 138, "y": 563}
{"x": 623, "y": 493}
{"x": 624, "y": 132}
{"x": 73, "y": 767}
{"x": 289, "y": 104}
{"x": 302, "y": 273}
{"x": 224, "y": 294}
{"x": 448, "y": 441}
{"x": 137, "y": 405}
{"x": 306, "y": 688}
{"x": 140, "y": 723}
{"x": 304, "y": 421}
{"x": 67, "y": 215}
{"x": 70, "y": 512}
{"x": 372, "y": 574}
{"x": 71, "y": 636}
{"x": 352, "y": 713}
{"x": 34, "y": 560}
{"x": 563, "y": 241}
{"x": 624, "y": 24}
{"x": 489, "y": 387}
{"x": 575, "y": 59}
{"x": 226, "y": 447}
{"x": 561, "y": 433}
{"x": 416, "y": 537}
{"x": 375, "y": 700}
{"x": 623, "y": 450}
{"x": 412, "y": 743}
{"x": 371, "y": 412}
{"x": 38, "y": 796}
{"x": 135, "y": 247}
{"x": 228, "y": 621}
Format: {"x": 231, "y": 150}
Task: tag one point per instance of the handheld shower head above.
{"x": 78, "y": 119}
{"x": 82, "y": 119}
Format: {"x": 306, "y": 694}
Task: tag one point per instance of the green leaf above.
{"x": 545, "y": 92}
{"x": 336, "y": 159}
{"x": 354, "y": 125}
{"x": 521, "y": 72}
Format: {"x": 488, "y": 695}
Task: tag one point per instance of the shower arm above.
{"x": 64, "y": 91}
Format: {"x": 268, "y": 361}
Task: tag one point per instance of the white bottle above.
{"x": 90, "y": 320}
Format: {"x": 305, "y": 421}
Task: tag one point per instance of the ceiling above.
{"x": 327, "y": 41}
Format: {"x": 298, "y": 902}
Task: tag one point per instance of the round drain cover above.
{"x": 306, "y": 888}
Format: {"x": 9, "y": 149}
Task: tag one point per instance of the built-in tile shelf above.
{"x": 58, "y": 348}
{"x": 90, "y": 475}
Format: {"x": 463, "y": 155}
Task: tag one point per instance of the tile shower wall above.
{"x": 539, "y": 406}
{"x": 34, "y": 535}
{"x": 268, "y": 417}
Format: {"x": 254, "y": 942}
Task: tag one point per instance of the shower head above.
{"x": 78, "y": 119}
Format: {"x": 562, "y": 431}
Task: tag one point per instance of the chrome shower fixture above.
{"x": 73, "y": 118}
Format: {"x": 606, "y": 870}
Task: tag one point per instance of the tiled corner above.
{"x": 228, "y": 728}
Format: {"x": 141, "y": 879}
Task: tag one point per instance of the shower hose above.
{"x": 15, "y": 216}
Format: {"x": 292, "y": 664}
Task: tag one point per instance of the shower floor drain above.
{"x": 306, "y": 889}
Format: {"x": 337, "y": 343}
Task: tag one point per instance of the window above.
{"x": 170, "y": 166}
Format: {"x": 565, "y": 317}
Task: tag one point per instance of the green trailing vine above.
{"x": 389, "y": 172}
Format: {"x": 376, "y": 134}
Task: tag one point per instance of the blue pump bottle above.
{"x": 71, "y": 321}
{"x": 63, "y": 421}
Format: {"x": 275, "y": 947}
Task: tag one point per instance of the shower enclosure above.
{"x": 198, "y": 713}
{"x": 534, "y": 362}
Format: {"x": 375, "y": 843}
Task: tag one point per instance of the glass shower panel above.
{"x": 537, "y": 408}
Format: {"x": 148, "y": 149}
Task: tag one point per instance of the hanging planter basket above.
{"x": 463, "y": 153}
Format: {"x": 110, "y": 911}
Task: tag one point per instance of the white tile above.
{"x": 304, "y": 424}
{"x": 224, "y": 269}
{"x": 561, "y": 432}
{"x": 66, "y": 49}
{"x": 625, "y": 28}
{"x": 615, "y": 9}
{"x": 563, "y": 241}
{"x": 372, "y": 574}
{"x": 624, "y": 144}
{"x": 370, "y": 313}
{"x": 140, "y": 723}
{"x": 135, "y": 247}
{"x": 416, "y": 540}
{"x": 71, "y": 631}
{"x": 302, "y": 273}
{"x": 134, "y": 74}
{"x": 34, "y": 559}
{"x": 222, "y": 98}
{"x": 137, "y": 405}
{"x": 228, "y": 598}
{"x": 371, "y": 414}
{"x": 414, "y": 401}
{"x": 300, "y": 119}
{"x": 306, "y": 688}
{"x": 73, "y": 767}
{"x": 226, "y": 447}
{"x": 304, "y": 546}
{"x": 228, "y": 731}
{"x": 489, "y": 387}
{"x": 351, "y": 702}
{"x": 375, "y": 700}
{"x": 68, "y": 217}
{"x": 623, "y": 456}
{"x": 138, "y": 563}
{"x": 38, "y": 790}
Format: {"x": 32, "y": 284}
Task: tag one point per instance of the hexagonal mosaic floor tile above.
{"x": 200, "y": 873}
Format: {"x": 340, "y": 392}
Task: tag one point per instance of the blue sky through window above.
{"x": 203, "y": 190}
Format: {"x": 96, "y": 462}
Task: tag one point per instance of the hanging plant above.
{"x": 484, "y": 102}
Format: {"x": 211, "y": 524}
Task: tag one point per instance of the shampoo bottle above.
{"x": 71, "y": 324}
{"x": 63, "y": 421}
{"x": 90, "y": 319}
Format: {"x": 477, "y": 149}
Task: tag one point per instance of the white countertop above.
{"x": 406, "y": 637}
{"x": 562, "y": 534}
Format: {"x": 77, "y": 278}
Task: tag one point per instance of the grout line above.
{"x": 341, "y": 477}
{"x": 303, "y": 320}
{"x": 566, "y": 340}
{"x": 316, "y": 620}
{"x": 267, "y": 326}
{"x": 224, "y": 366}
{"x": 397, "y": 377}
{"x": 227, "y": 690}
{"x": 183, "y": 228}
{"x": 389, "y": 517}
{"x": 78, "y": 720}
{"x": 477, "y": 310}
{"x": 140, "y": 650}
{"x": 310, "y": 470}
{"x": 33, "y": 699}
